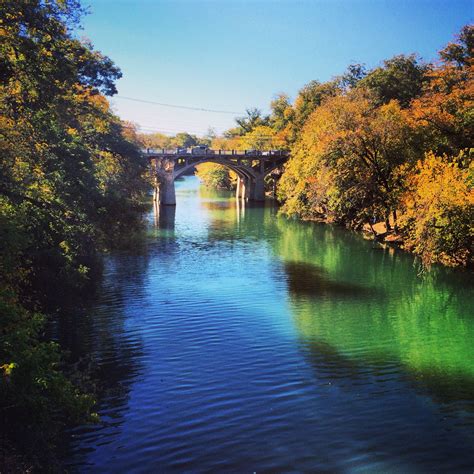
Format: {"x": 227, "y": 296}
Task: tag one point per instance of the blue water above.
{"x": 233, "y": 340}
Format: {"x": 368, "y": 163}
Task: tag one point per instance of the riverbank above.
{"x": 378, "y": 232}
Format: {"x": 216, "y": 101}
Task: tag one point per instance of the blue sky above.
{"x": 235, "y": 54}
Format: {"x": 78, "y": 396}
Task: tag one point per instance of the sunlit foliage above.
{"x": 444, "y": 113}
{"x": 438, "y": 211}
{"x": 345, "y": 160}
{"x": 71, "y": 182}
{"x": 260, "y": 138}
{"x": 362, "y": 151}
{"x": 216, "y": 176}
{"x": 400, "y": 78}
{"x": 248, "y": 123}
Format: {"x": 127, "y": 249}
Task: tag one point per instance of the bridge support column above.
{"x": 163, "y": 172}
{"x": 246, "y": 189}
{"x": 164, "y": 216}
{"x": 167, "y": 190}
{"x": 258, "y": 188}
{"x": 238, "y": 189}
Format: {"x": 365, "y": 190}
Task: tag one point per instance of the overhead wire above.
{"x": 164, "y": 131}
{"x": 151, "y": 129}
{"x": 176, "y": 106}
{"x": 171, "y": 130}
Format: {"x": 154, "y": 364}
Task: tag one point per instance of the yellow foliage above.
{"x": 8, "y": 368}
{"x": 438, "y": 211}
{"x": 359, "y": 145}
{"x": 216, "y": 176}
{"x": 445, "y": 109}
{"x": 221, "y": 143}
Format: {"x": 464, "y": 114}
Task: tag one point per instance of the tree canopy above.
{"x": 71, "y": 182}
{"x": 378, "y": 146}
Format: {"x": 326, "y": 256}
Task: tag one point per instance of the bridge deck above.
{"x": 208, "y": 153}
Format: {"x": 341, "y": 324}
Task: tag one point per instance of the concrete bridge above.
{"x": 251, "y": 167}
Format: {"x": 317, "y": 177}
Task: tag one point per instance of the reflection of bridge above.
{"x": 251, "y": 167}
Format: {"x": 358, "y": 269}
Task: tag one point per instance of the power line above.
{"x": 175, "y": 131}
{"x": 170, "y": 130}
{"x": 153, "y": 128}
{"x": 200, "y": 109}
{"x": 164, "y": 131}
{"x": 181, "y": 123}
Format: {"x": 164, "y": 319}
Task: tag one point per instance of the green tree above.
{"x": 185, "y": 140}
{"x": 281, "y": 112}
{"x": 71, "y": 181}
{"x": 154, "y": 140}
{"x": 401, "y": 78}
{"x": 250, "y": 121}
{"x": 353, "y": 75}
{"x": 216, "y": 176}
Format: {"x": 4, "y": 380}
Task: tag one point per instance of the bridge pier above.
{"x": 164, "y": 216}
{"x": 243, "y": 188}
{"x": 258, "y": 188}
{"x": 167, "y": 191}
{"x": 238, "y": 188}
{"x": 247, "y": 189}
{"x": 164, "y": 192}
{"x": 252, "y": 189}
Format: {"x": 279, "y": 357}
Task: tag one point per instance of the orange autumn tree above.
{"x": 346, "y": 159}
{"x": 443, "y": 113}
{"x": 438, "y": 212}
{"x": 438, "y": 217}
{"x": 358, "y": 155}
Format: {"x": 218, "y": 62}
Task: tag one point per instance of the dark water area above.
{"x": 233, "y": 340}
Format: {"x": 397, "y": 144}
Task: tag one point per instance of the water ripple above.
{"x": 241, "y": 342}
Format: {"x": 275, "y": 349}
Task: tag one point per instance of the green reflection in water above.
{"x": 365, "y": 304}
{"x": 370, "y": 305}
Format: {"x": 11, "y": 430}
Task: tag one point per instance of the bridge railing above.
{"x": 208, "y": 151}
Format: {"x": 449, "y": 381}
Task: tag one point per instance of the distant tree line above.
{"x": 180, "y": 140}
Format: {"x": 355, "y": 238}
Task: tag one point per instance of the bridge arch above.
{"x": 241, "y": 170}
{"x": 246, "y": 176}
{"x": 251, "y": 167}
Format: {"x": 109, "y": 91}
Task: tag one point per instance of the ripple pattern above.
{"x": 237, "y": 341}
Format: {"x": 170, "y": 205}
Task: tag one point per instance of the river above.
{"x": 234, "y": 340}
